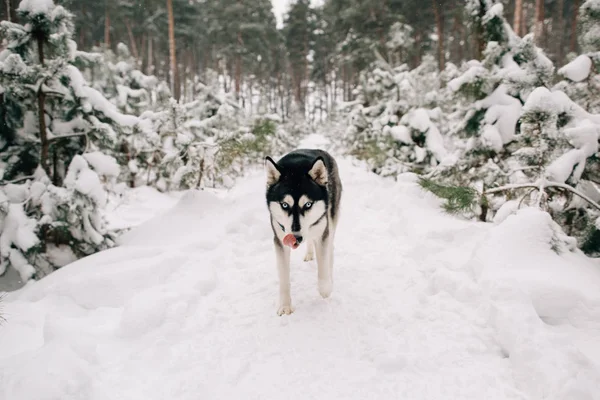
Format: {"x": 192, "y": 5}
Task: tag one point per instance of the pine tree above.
{"x": 589, "y": 18}
{"x": 299, "y": 38}
{"x": 396, "y": 122}
{"x": 537, "y": 154}
{"x": 488, "y": 95}
{"x": 582, "y": 75}
{"x": 52, "y": 209}
{"x": 39, "y": 73}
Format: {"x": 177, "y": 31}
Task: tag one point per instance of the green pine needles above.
{"x": 458, "y": 198}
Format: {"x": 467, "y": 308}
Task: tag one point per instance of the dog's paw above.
{"x": 309, "y": 256}
{"x": 325, "y": 287}
{"x": 287, "y": 310}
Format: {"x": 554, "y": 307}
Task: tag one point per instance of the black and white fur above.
{"x": 303, "y": 197}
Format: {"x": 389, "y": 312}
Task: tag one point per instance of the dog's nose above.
{"x": 298, "y": 238}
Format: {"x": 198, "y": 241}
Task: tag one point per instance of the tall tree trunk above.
{"x": 56, "y": 181}
{"x": 280, "y": 94}
{"x": 184, "y": 76}
{"x": 132, "y": 44}
{"x": 351, "y": 83}
{"x": 238, "y": 66}
{"x": 539, "y": 21}
{"x": 560, "y": 31}
{"x": 305, "y": 78}
{"x": 82, "y": 32}
{"x": 457, "y": 51}
{"x": 518, "y": 17}
{"x": 379, "y": 17}
{"x": 221, "y": 68}
{"x": 106, "y": 25}
{"x": 176, "y": 88}
{"x": 194, "y": 72}
{"x": 479, "y": 41}
{"x": 524, "y": 22}
{"x": 344, "y": 80}
{"x": 439, "y": 23}
{"x": 238, "y": 59}
{"x": 573, "y": 46}
{"x": 418, "y": 47}
{"x": 41, "y": 98}
{"x": 150, "y": 65}
{"x": 334, "y": 95}
{"x": 143, "y": 60}
{"x": 81, "y": 43}
{"x": 11, "y": 10}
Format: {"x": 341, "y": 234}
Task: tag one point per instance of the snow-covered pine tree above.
{"x": 542, "y": 162}
{"x": 581, "y": 80}
{"x": 55, "y": 114}
{"x": 581, "y": 76}
{"x": 204, "y": 143}
{"x": 51, "y": 198}
{"x": 489, "y": 95}
{"x": 395, "y": 123}
{"x": 43, "y": 226}
{"x": 589, "y": 18}
{"x": 116, "y": 76}
{"x": 558, "y": 138}
{"x": 487, "y": 109}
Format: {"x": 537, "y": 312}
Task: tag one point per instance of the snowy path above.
{"x": 186, "y": 309}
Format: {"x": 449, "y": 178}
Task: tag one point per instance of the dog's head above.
{"x": 296, "y": 196}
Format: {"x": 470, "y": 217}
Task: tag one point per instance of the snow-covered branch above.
{"x": 540, "y": 185}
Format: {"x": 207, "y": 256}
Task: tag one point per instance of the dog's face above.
{"x": 297, "y": 198}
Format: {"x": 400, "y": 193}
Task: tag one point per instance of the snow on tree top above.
{"x": 96, "y": 99}
{"x": 592, "y": 5}
{"x": 475, "y": 71}
{"x": 102, "y": 164}
{"x": 541, "y": 99}
{"x": 36, "y": 6}
{"x": 497, "y": 10}
{"x": 12, "y": 64}
{"x": 578, "y": 69}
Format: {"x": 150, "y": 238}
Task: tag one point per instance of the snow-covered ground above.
{"x": 425, "y": 306}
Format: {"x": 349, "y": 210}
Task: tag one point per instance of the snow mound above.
{"x": 36, "y": 6}
{"x": 138, "y": 205}
{"x": 577, "y": 70}
{"x": 542, "y": 258}
{"x": 103, "y": 164}
{"x": 424, "y": 305}
{"x": 545, "y": 305}
{"x": 177, "y": 223}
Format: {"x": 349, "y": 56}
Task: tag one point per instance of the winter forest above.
{"x": 493, "y": 104}
{"x": 132, "y": 140}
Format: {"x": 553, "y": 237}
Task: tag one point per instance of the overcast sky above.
{"x": 280, "y": 7}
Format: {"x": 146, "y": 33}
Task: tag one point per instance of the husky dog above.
{"x": 303, "y": 197}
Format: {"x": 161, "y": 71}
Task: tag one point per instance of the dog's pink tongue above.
{"x": 290, "y": 240}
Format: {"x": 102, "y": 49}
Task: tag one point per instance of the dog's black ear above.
{"x": 273, "y": 172}
{"x": 318, "y": 172}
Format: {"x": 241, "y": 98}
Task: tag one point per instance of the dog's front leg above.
{"x": 310, "y": 251}
{"x": 325, "y": 265}
{"x": 282, "y": 253}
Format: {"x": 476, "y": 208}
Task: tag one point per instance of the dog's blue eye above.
{"x": 308, "y": 205}
{"x": 284, "y": 205}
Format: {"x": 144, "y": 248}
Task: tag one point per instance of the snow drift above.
{"x": 424, "y": 306}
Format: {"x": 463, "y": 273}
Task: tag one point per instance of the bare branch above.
{"x": 511, "y": 187}
{"x": 540, "y": 185}
{"x": 67, "y": 136}
{"x": 17, "y": 180}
